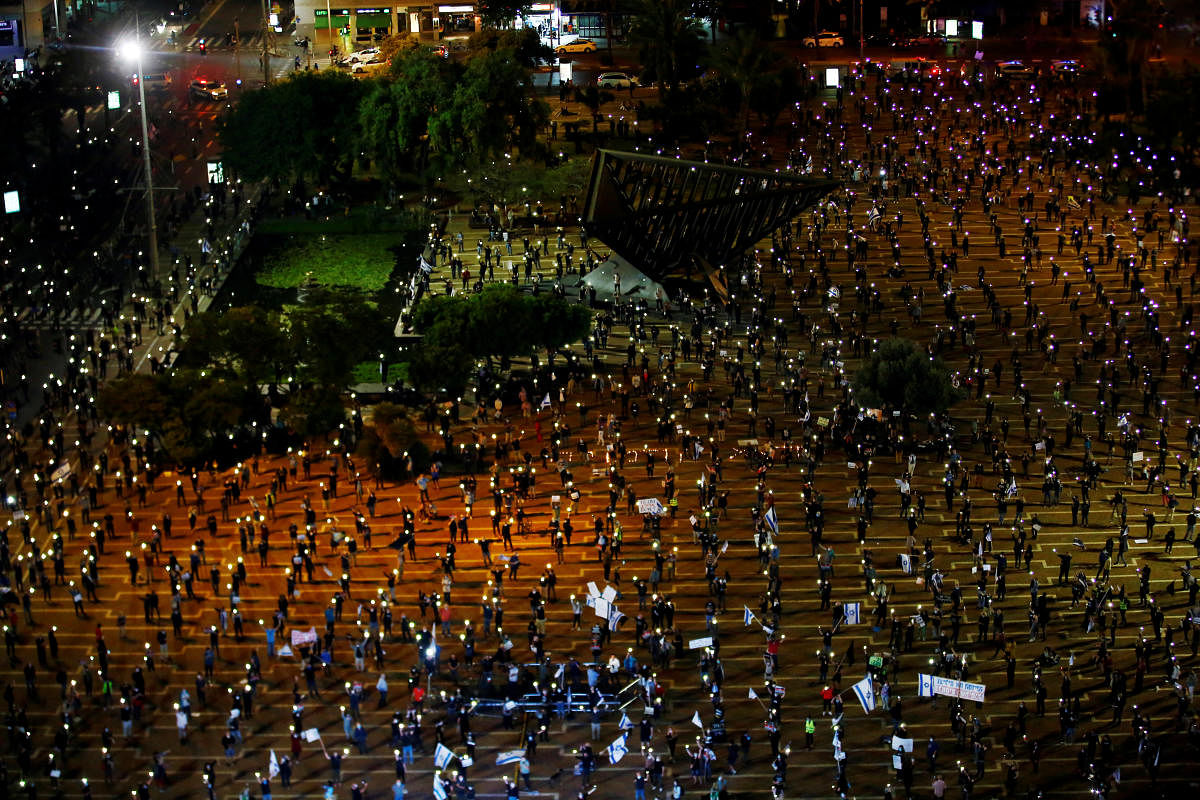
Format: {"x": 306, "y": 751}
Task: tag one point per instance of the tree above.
{"x": 899, "y": 374}
{"x": 389, "y": 437}
{"x": 1125, "y": 46}
{"x": 499, "y": 321}
{"x": 525, "y": 43}
{"x": 302, "y": 127}
{"x": 670, "y": 42}
{"x": 136, "y": 400}
{"x": 711, "y": 10}
{"x": 491, "y": 111}
{"x": 247, "y": 343}
{"x": 502, "y": 13}
{"x": 331, "y": 332}
{"x": 394, "y": 115}
{"x": 314, "y": 410}
{"x": 751, "y": 66}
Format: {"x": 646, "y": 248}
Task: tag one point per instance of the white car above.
{"x": 362, "y": 56}
{"x": 577, "y": 46}
{"x": 615, "y": 80}
{"x": 208, "y": 90}
{"x": 373, "y": 64}
{"x": 1014, "y": 70}
{"x": 824, "y": 39}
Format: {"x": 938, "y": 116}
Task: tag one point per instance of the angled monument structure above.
{"x": 681, "y": 221}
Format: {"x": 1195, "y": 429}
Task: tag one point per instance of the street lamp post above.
{"x": 135, "y": 49}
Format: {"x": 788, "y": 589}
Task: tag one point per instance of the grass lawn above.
{"x": 362, "y": 261}
{"x": 368, "y": 372}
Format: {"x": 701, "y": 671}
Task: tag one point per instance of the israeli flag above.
{"x": 617, "y": 750}
{"x": 747, "y": 616}
{"x": 443, "y": 756}
{"x": 865, "y": 693}
{"x": 906, "y": 563}
{"x": 625, "y": 724}
{"x": 924, "y": 685}
{"x": 771, "y": 520}
{"x": 439, "y": 788}
{"x": 852, "y": 613}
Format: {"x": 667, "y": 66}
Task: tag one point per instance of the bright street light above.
{"x": 132, "y": 50}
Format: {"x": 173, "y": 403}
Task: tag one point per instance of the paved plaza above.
{"x": 1034, "y": 345}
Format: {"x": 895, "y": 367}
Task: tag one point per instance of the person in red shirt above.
{"x": 827, "y": 701}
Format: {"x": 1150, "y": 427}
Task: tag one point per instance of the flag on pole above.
{"x": 852, "y": 613}
{"x": 753, "y": 695}
{"x": 443, "y": 756}
{"x": 747, "y": 615}
{"x": 771, "y": 520}
{"x": 617, "y": 750}
{"x": 724, "y": 547}
{"x": 865, "y": 692}
{"x": 273, "y": 765}
{"x": 906, "y": 563}
{"x": 924, "y": 685}
{"x": 625, "y": 724}
{"x": 696, "y": 720}
{"x": 439, "y": 789}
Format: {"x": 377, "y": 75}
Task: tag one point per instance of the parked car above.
{"x": 824, "y": 39}
{"x": 1066, "y": 69}
{"x": 362, "y": 55}
{"x": 1014, "y": 70}
{"x": 577, "y": 46}
{"x": 615, "y": 80}
{"x": 368, "y": 65}
{"x": 208, "y": 90}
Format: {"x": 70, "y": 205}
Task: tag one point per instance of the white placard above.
{"x": 696, "y": 644}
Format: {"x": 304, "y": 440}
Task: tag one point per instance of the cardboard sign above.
{"x": 696, "y": 644}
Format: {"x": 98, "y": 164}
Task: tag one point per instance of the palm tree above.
{"x": 747, "y": 63}
{"x": 669, "y": 41}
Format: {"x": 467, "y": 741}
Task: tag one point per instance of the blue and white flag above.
{"x": 747, "y": 616}
{"x": 852, "y": 613}
{"x": 625, "y": 724}
{"x": 924, "y": 685}
{"x": 617, "y": 750}
{"x": 771, "y": 520}
{"x": 509, "y": 757}
{"x": 906, "y": 563}
{"x": 439, "y": 788}
{"x": 865, "y": 692}
{"x": 443, "y": 756}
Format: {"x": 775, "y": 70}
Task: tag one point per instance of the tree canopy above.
{"x": 302, "y": 127}
{"x": 499, "y": 321}
{"x": 671, "y": 43}
{"x": 304, "y": 356}
{"x": 899, "y": 374}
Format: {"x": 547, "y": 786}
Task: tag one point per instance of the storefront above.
{"x": 327, "y": 33}
{"x": 546, "y": 19}
{"x": 456, "y": 20}
{"x": 372, "y": 24}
